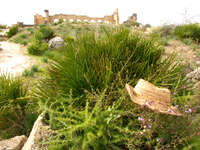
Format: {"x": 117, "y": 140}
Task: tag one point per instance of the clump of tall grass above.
{"x": 115, "y": 56}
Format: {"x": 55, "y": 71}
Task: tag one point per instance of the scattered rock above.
{"x": 56, "y": 42}
{"x": 194, "y": 74}
{"x": 15, "y": 143}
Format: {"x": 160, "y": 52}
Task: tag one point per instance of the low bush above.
{"x": 12, "y": 31}
{"x": 191, "y": 31}
{"x": 47, "y": 33}
{"x": 37, "y": 47}
{"x": 13, "y": 107}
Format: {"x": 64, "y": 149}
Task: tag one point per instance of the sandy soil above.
{"x": 13, "y": 58}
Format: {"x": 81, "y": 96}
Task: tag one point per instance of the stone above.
{"x": 56, "y": 42}
{"x": 194, "y": 74}
{"x": 30, "y": 142}
{"x": 15, "y": 143}
{"x": 39, "y": 134}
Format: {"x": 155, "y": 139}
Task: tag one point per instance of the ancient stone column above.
{"x": 46, "y": 16}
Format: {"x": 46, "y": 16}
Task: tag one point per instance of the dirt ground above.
{"x": 13, "y": 58}
{"x": 185, "y": 53}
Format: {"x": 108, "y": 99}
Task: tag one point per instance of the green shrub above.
{"x": 44, "y": 47}
{"x": 34, "y": 48}
{"x": 13, "y": 106}
{"x": 37, "y": 47}
{"x": 3, "y": 26}
{"x": 38, "y": 36}
{"x": 12, "y": 31}
{"x": 48, "y": 33}
{"x": 191, "y": 31}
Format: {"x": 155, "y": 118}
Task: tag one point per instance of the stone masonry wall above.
{"x": 113, "y": 19}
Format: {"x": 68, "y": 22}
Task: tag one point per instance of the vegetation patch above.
{"x": 16, "y": 118}
{"x": 90, "y": 108}
{"x": 191, "y": 31}
{"x": 12, "y": 31}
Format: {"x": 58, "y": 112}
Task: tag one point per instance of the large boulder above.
{"x": 56, "y": 42}
{"x": 15, "y": 143}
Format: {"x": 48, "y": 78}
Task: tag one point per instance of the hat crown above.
{"x": 150, "y": 92}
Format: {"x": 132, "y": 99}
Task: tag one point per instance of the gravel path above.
{"x": 13, "y": 58}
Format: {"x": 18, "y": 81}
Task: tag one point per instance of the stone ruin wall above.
{"x": 113, "y": 19}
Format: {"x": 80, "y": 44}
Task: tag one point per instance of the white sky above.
{"x": 154, "y": 12}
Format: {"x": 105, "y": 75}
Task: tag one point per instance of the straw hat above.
{"x": 157, "y": 99}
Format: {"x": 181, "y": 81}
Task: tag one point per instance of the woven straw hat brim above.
{"x": 158, "y": 106}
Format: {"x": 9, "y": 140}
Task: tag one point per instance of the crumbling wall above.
{"x": 113, "y": 19}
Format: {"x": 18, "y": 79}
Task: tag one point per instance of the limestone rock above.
{"x": 39, "y": 134}
{"x": 56, "y": 42}
{"x": 15, "y": 143}
{"x": 194, "y": 74}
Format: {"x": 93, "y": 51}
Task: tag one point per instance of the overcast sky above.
{"x": 154, "y": 12}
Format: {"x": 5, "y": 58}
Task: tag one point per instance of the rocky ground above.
{"x": 186, "y": 53}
